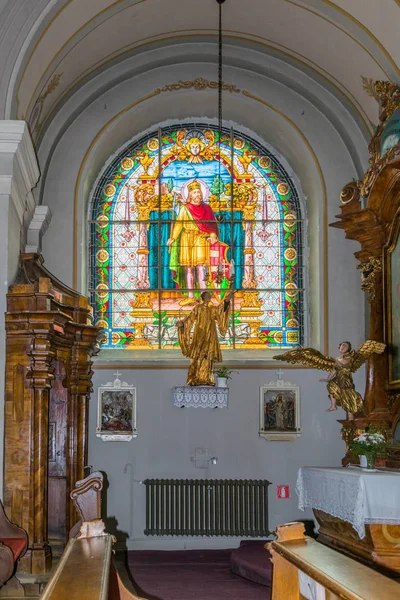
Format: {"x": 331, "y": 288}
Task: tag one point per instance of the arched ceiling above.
{"x": 70, "y": 41}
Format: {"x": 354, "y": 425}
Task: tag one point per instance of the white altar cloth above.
{"x": 198, "y": 396}
{"x": 351, "y": 494}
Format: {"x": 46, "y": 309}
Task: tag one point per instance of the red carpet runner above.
{"x": 191, "y": 575}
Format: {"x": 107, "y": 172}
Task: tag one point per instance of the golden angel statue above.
{"x": 340, "y": 386}
{"x": 202, "y": 346}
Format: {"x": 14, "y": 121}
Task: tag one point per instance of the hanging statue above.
{"x": 202, "y": 346}
{"x": 340, "y": 386}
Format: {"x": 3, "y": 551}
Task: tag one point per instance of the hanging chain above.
{"x": 220, "y": 70}
{"x": 220, "y": 2}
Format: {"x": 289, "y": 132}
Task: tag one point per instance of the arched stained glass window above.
{"x": 180, "y": 211}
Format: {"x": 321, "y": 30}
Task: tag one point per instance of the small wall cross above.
{"x": 279, "y": 372}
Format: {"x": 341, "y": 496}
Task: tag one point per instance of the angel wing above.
{"x": 364, "y": 351}
{"x": 309, "y": 357}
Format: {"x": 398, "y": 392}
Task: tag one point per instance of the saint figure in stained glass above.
{"x": 190, "y": 241}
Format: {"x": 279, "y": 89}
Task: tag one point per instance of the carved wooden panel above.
{"x": 18, "y": 391}
{"x": 57, "y": 469}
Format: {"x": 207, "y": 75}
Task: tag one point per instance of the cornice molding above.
{"x": 18, "y": 166}
{"x": 37, "y": 228}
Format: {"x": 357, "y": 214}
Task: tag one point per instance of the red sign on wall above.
{"x": 283, "y": 491}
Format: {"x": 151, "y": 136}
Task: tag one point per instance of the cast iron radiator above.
{"x": 211, "y": 507}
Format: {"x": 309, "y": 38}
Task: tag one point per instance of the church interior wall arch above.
{"x": 148, "y": 110}
{"x": 303, "y": 98}
{"x": 317, "y": 155}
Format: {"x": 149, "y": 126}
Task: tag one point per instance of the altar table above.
{"x": 358, "y": 511}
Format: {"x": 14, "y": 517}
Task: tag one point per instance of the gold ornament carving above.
{"x": 388, "y": 96}
{"x": 369, "y": 87}
{"x": 348, "y": 433}
{"x": 368, "y": 276}
{"x": 377, "y": 162}
{"x": 350, "y": 192}
{"x": 392, "y": 400}
{"x": 198, "y": 84}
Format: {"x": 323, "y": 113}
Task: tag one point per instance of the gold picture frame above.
{"x": 391, "y": 280}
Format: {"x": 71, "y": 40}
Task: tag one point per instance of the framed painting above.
{"x": 280, "y": 411}
{"x": 116, "y": 412}
{"x": 392, "y": 294}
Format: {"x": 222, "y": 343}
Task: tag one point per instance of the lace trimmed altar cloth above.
{"x": 203, "y": 396}
{"x": 351, "y": 494}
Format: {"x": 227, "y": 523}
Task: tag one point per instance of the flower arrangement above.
{"x": 368, "y": 444}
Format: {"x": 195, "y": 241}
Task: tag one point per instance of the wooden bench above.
{"x": 13, "y": 545}
{"x": 341, "y": 577}
{"x": 86, "y": 569}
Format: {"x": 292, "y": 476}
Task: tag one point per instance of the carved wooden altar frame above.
{"x": 370, "y": 214}
{"x": 49, "y": 344}
{"x": 388, "y": 250}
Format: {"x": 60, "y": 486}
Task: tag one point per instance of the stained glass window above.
{"x": 182, "y": 210}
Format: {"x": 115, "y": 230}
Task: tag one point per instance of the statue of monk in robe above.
{"x": 202, "y": 346}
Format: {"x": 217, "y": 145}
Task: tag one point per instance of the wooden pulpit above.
{"x": 49, "y": 345}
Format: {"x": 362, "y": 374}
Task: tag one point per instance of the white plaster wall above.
{"x": 4, "y": 233}
{"x": 167, "y": 436}
{"x": 18, "y": 174}
{"x": 10, "y": 243}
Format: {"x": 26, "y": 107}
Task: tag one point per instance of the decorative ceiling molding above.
{"x": 199, "y": 84}
{"x": 23, "y": 173}
{"x": 369, "y": 87}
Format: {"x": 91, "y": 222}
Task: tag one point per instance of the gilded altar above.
{"x": 370, "y": 214}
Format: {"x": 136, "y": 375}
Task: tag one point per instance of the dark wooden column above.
{"x": 80, "y": 389}
{"x": 40, "y": 376}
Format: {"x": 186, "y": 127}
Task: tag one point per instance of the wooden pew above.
{"x": 86, "y": 570}
{"x": 86, "y": 497}
{"x": 341, "y": 577}
{"x": 13, "y": 545}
